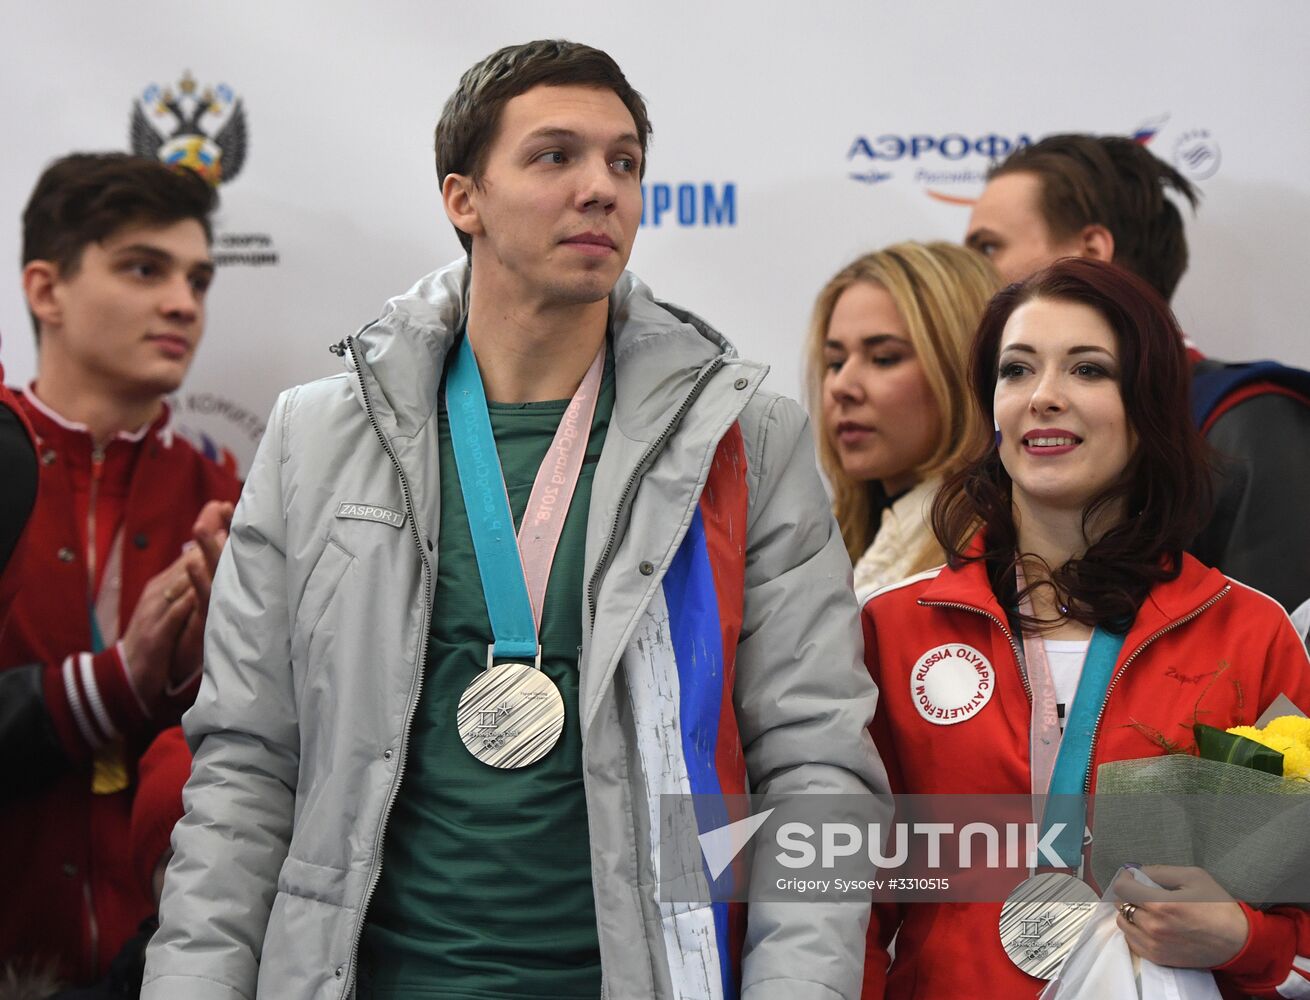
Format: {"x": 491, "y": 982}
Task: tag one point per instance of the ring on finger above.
{"x": 1128, "y": 911}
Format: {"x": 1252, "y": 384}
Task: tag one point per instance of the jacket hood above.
{"x": 404, "y": 350}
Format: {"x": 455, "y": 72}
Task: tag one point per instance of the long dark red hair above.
{"x": 1165, "y": 488}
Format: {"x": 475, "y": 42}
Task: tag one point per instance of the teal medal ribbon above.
{"x": 512, "y": 714}
{"x": 491, "y": 523}
{"x": 1044, "y": 915}
{"x": 1065, "y": 802}
{"x": 1058, "y": 762}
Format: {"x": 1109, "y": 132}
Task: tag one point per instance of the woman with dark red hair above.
{"x": 1069, "y": 628}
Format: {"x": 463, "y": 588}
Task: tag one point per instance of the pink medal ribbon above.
{"x": 1061, "y": 761}
{"x": 512, "y": 714}
{"x": 552, "y": 491}
{"x": 1044, "y": 738}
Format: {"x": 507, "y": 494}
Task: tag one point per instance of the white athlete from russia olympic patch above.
{"x": 952, "y": 683}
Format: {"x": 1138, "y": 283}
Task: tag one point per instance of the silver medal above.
{"x": 1042, "y": 919}
{"x": 510, "y": 715}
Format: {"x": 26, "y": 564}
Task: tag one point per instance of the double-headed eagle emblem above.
{"x": 184, "y": 140}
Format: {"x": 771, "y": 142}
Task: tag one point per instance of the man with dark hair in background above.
{"x": 429, "y": 761}
{"x": 1106, "y": 197}
{"x": 103, "y": 644}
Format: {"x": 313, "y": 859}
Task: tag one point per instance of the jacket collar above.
{"x": 52, "y": 425}
{"x": 910, "y": 511}
{"x": 1167, "y": 605}
{"x": 403, "y": 352}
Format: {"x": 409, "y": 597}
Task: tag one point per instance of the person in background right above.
{"x": 886, "y": 359}
{"x": 1104, "y": 197}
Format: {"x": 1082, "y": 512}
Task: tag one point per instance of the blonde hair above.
{"x": 940, "y": 291}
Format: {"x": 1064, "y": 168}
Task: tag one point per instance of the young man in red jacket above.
{"x": 103, "y": 645}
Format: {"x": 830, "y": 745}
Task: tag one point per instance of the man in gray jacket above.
{"x": 430, "y": 745}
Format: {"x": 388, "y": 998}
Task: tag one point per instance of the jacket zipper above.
{"x": 1018, "y": 658}
{"x": 97, "y": 466}
{"x": 601, "y": 564}
{"x": 376, "y": 873}
{"x": 1096, "y": 728}
{"x": 642, "y": 466}
{"x": 593, "y": 584}
{"x": 88, "y": 900}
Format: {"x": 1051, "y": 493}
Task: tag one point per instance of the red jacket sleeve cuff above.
{"x": 126, "y": 709}
{"x": 92, "y": 702}
{"x": 177, "y": 698}
{"x": 1262, "y": 962}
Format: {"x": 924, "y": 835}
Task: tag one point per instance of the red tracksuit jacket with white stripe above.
{"x": 65, "y": 861}
{"x": 1201, "y": 643}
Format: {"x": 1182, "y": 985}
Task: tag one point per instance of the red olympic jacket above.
{"x": 71, "y": 892}
{"x": 1202, "y": 645}
{"x": 10, "y": 574}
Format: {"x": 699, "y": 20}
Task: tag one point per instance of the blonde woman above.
{"x": 887, "y": 358}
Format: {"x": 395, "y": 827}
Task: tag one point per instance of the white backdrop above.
{"x": 772, "y": 107}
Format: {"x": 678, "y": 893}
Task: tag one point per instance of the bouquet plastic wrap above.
{"x": 1240, "y": 810}
{"x": 1100, "y": 966}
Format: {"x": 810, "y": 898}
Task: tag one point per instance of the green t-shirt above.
{"x": 486, "y": 876}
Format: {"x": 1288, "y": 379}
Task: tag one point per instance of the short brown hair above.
{"x": 471, "y": 117}
{"x": 1112, "y": 181}
{"x": 86, "y": 197}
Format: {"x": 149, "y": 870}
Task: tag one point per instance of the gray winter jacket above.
{"x": 315, "y": 654}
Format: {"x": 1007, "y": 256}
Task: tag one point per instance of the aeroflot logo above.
{"x": 950, "y": 167}
{"x": 689, "y": 204}
{"x": 952, "y": 146}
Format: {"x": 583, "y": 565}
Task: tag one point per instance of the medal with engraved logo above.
{"x": 1042, "y": 919}
{"x": 511, "y": 714}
